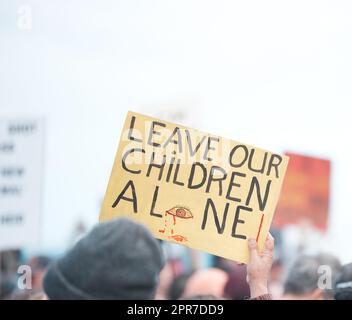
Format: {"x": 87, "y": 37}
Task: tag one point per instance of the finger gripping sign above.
{"x": 194, "y": 188}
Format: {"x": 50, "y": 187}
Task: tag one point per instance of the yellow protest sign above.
{"x": 194, "y": 188}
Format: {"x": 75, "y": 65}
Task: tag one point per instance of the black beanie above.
{"x": 118, "y": 259}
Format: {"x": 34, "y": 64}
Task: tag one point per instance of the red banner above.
{"x": 305, "y": 193}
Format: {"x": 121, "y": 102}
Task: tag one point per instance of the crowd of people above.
{"x": 121, "y": 259}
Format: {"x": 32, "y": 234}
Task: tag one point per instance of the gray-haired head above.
{"x": 306, "y": 273}
{"x": 343, "y": 285}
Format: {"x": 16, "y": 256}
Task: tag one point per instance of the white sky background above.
{"x": 277, "y": 74}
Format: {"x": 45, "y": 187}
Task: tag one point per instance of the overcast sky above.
{"x": 276, "y": 74}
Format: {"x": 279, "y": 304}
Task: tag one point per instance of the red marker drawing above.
{"x": 260, "y": 227}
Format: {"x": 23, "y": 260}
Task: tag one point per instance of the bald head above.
{"x": 207, "y": 282}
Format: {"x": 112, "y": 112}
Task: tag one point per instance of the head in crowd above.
{"x": 276, "y": 279}
{"x": 118, "y": 259}
{"x": 312, "y": 278}
{"x": 343, "y": 284}
{"x": 166, "y": 277}
{"x": 177, "y": 287}
{"x": 38, "y": 266}
{"x": 7, "y": 286}
{"x": 206, "y": 282}
{"x": 236, "y": 287}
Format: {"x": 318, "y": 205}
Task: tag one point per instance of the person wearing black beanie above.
{"x": 118, "y": 259}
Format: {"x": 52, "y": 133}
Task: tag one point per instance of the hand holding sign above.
{"x": 259, "y": 266}
{"x": 194, "y": 188}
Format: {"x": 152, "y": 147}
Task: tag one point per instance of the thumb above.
{"x": 269, "y": 246}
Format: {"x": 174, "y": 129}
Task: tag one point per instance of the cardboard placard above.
{"x": 194, "y": 188}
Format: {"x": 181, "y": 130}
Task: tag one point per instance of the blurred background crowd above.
{"x": 274, "y": 74}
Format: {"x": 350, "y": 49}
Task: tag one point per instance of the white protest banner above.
{"x": 21, "y": 167}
